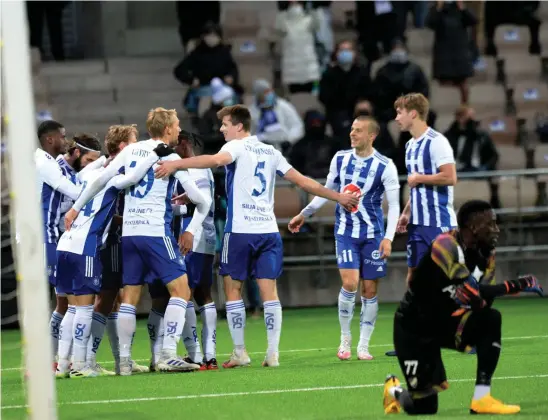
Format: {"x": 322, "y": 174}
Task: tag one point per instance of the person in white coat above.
{"x": 300, "y": 66}
{"x": 274, "y": 120}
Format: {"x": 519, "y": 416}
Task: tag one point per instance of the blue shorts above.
{"x": 199, "y": 268}
{"x": 78, "y": 274}
{"x": 419, "y": 240}
{"x": 111, "y": 258}
{"x": 360, "y": 254}
{"x": 157, "y": 255}
{"x": 246, "y": 253}
{"x": 50, "y": 255}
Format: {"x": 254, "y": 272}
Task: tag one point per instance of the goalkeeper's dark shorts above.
{"x": 111, "y": 258}
{"x": 419, "y": 354}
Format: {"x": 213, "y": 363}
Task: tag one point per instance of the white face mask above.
{"x": 212, "y": 40}
{"x": 295, "y": 10}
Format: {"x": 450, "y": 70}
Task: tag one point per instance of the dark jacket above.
{"x": 340, "y": 90}
{"x": 453, "y": 59}
{"x": 475, "y": 137}
{"x": 206, "y": 63}
{"x": 393, "y": 80}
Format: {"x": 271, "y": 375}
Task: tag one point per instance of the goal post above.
{"x": 20, "y": 119}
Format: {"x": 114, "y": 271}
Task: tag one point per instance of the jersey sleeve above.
{"x": 442, "y": 152}
{"x": 332, "y": 182}
{"x": 282, "y": 166}
{"x": 449, "y": 257}
{"x": 389, "y": 177}
{"x": 202, "y": 201}
{"x": 233, "y": 147}
{"x": 51, "y": 173}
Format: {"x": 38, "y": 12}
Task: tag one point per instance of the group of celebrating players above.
{"x": 119, "y": 232}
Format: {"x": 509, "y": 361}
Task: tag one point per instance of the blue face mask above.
{"x": 345, "y": 57}
{"x": 269, "y": 100}
{"x": 228, "y": 102}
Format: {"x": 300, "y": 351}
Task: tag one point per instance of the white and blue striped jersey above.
{"x": 204, "y": 243}
{"x": 373, "y": 175}
{"x": 250, "y": 183}
{"x": 52, "y": 185}
{"x": 90, "y": 229}
{"x": 431, "y": 205}
{"x": 72, "y": 176}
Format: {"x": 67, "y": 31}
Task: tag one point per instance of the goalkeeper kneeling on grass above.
{"x": 448, "y": 305}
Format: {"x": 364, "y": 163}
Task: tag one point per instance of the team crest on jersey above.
{"x": 181, "y": 261}
{"x": 372, "y": 173}
{"x": 375, "y": 255}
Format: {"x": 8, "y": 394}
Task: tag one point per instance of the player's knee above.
{"x": 131, "y": 295}
{"x": 369, "y": 289}
{"x": 178, "y": 288}
{"x": 421, "y": 406}
{"x": 267, "y": 289}
{"x": 61, "y": 305}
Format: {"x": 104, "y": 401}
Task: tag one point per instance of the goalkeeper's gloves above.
{"x": 163, "y": 150}
{"x": 527, "y": 283}
{"x": 469, "y": 297}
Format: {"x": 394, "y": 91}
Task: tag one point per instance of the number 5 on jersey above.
{"x": 260, "y": 175}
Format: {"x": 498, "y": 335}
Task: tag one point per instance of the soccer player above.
{"x": 252, "y": 243}
{"x": 52, "y": 185}
{"x": 199, "y": 263}
{"x": 431, "y": 177}
{"x": 83, "y": 155}
{"x": 79, "y": 259}
{"x": 107, "y": 302}
{"x": 147, "y": 242}
{"x": 448, "y": 305}
{"x": 362, "y": 246}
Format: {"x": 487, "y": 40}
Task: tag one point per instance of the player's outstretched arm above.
{"x": 527, "y": 283}
{"x": 166, "y": 168}
{"x": 348, "y": 201}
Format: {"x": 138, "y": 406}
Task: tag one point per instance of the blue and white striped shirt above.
{"x": 431, "y": 205}
{"x": 373, "y": 176}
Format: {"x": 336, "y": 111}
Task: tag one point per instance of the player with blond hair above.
{"x": 149, "y": 248}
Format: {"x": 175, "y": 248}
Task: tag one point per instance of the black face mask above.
{"x": 471, "y": 125}
{"x": 362, "y": 113}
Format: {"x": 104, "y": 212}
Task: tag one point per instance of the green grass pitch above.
{"x": 311, "y": 382}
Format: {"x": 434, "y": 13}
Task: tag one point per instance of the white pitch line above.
{"x": 110, "y": 362}
{"x": 248, "y": 393}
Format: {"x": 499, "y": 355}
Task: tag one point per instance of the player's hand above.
{"x": 165, "y": 168}
{"x": 468, "y": 296}
{"x": 163, "y": 150}
{"x": 385, "y": 248}
{"x": 181, "y": 200}
{"x": 349, "y": 200}
{"x": 296, "y": 223}
{"x": 530, "y": 284}
{"x": 186, "y": 241}
{"x": 412, "y": 180}
{"x": 70, "y": 217}
{"x": 403, "y": 221}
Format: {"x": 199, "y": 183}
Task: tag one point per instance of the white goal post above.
{"x": 34, "y": 311}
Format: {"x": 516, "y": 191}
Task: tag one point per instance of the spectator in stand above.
{"x": 419, "y": 9}
{"x": 300, "y": 66}
{"x": 192, "y": 16}
{"x": 208, "y": 124}
{"x": 453, "y": 62}
{"x": 377, "y": 22}
{"x": 211, "y": 58}
{"x": 473, "y": 148}
{"x": 312, "y": 154}
{"x": 384, "y": 143}
{"x": 398, "y": 76}
{"x": 344, "y": 83}
{"x": 52, "y": 13}
{"x": 274, "y": 120}
{"x": 516, "y": 12}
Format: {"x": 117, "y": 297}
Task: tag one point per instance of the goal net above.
{"x": 24, "y": 282}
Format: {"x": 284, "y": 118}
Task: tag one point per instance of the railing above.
{"x": 515, "y": 252}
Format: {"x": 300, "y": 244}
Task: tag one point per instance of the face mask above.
{"x": 295, "y": 10}
{"x": 345, "y": 57}
{"x": 398, "y": 56}
{"x": 228, "y": 102}
{"x": 269, "y": 100}
{"x": 212, "y": 40}
{"x": 471, "y": 124}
